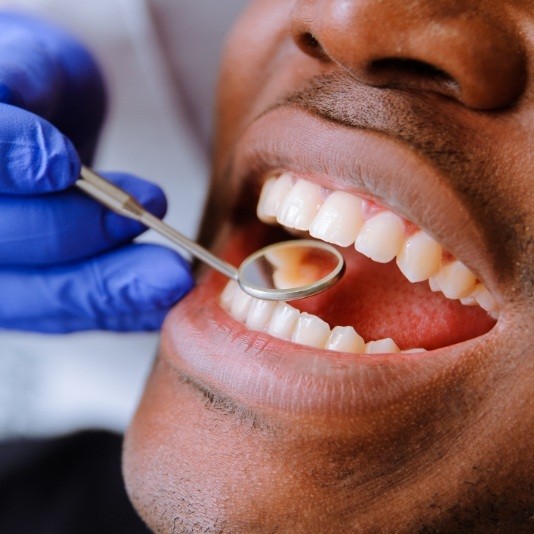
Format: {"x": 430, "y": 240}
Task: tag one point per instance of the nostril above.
{"x": 411, "y": 67}
{"x": 412, "y": 72}
{"x": 311, "y": 46}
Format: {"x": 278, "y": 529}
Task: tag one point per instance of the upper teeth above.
{"x": 345, "y": 219}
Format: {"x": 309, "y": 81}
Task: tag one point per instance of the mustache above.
{"x": 405, "y": 115}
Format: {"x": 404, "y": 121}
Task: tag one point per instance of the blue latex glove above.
{"x": 65, "y": 261}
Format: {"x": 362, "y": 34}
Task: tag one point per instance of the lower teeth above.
{"x": 282, "y": 321}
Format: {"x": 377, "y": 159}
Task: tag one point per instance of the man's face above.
{"x": 406, "y": 128}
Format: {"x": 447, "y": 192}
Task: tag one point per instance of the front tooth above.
{"x": 382, "y": 346}
{"x": 287, "y": 268}
{"x": 339, "y": 220}
{"x": 381, "y": 237}
{"x": 272, "y": 195}
{"x": 240, "y": 305}
{"x": 419, "y": 258}
{"x": 283, "y": 320}
{"x": 345, "y": 339}
{"x": 259, "y": 314}
{"x": 484, "y": 298}
{"x": 455, "y": 280}
{"x": 311, "y": 331}
{"x": 300, "y": 206}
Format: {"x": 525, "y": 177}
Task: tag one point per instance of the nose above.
{"x": 452, "y": 47}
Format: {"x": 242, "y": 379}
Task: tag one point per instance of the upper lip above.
{"x": 368, "y": 163}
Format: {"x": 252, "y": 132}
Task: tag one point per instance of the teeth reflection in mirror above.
{"x": 311, "y": 331}
{"x": 301, "y": 205}
{"x": 381, "y": 237}
{"x": 420, "y": 257}
{"x": 455, "y": 280}
{"x": 274, "y": 196}
{"x": 283, "y": 320}
{"x": 291, "y": 268}
{"x": 345, "y": 339}
{"x": 260, "y": 313}
{"x": 339, "y": 219}
{"x": 382, "y": 346}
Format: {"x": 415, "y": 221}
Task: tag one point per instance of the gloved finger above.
{"x": 46, "y": 71}
{"x": 129, "y": 289}
{"x": 35, "y": 157}
{"x": 67, "y": 226}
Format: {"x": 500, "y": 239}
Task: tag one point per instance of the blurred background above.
{"x": 160, "y": 60}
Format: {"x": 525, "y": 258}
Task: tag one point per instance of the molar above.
{"x": 265, "y": 209}
{"x": 484, "y": 299}
{"x": 455, "y": 280}
{"x": 227, "y": 296}
{"x": 382, "y": 346}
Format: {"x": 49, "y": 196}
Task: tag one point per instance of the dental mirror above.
{"x": 289, "y": 270}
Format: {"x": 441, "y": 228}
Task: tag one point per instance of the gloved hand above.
{"x": 65, "y": 261}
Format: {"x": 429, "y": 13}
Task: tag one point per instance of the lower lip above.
{"x": 203, "y": 342}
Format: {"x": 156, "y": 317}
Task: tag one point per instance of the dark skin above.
{"x": 239, "y": 432}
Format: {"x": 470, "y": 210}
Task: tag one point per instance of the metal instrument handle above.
{"x": 121, "y": 202}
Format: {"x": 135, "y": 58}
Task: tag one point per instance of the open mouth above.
{"x": 340, "y": 350}
{"x": 402, "y": 291}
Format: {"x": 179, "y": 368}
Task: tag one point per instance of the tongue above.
{"x": 378, "y": 301}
